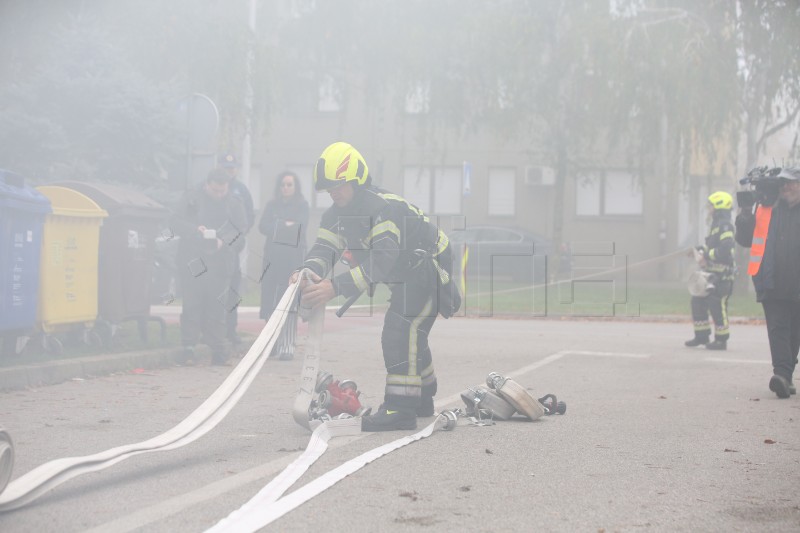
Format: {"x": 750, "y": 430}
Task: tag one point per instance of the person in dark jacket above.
{"x": 773, "y": 234}
{"x": 208, "y": 221}
{"x": 385, "y": 240}
{"x": 716, "y": 259}
{"x": 283, "y": 225}
{"x": 238, "y": 190}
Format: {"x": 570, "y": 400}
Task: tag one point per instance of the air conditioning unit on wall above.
{"x": 539, "y": 176}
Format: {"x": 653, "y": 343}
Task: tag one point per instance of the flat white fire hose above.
{"x": 40, "y": 480}
{"x": 267, "y": 506}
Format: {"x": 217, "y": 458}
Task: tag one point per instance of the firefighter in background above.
{"x": 772, "y": 231}
{"x": 385, "y": 240}
{"x": 715, "y": 258}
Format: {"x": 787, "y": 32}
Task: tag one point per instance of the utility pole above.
{"x": 248, "y": 95}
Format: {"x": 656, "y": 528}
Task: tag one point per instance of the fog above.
{"x": 580, "y": 121}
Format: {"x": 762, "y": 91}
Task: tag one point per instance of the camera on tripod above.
{"x": 764, "y": 187}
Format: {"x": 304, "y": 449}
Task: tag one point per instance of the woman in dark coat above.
{"x": 283, "y": 223}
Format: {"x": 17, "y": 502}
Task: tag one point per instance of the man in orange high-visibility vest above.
{"x": 772, "y": 231}
{"x": 716, "y": 258}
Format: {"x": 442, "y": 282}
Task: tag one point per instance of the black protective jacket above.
{"x": 382, "y": 233}
{"x": 720, "y": 245}
{"x": 778, "y": 277}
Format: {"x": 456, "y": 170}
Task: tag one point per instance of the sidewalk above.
{"x": 53, "y": 372}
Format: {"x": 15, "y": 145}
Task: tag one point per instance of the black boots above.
{"x": 718, "y": 344}
{"x": 425, "y": 408}
{"x": 387, "y": 419}
{"x": 697, "y": 341}
{"x": 780, "y": 386}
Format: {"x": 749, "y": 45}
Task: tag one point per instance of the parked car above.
{"x": 502, "y": 252}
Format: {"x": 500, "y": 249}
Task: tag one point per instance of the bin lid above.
{"x": 15, "y": 194}
{"x": 71, "y": 203}
{"x": 119, "y": 200}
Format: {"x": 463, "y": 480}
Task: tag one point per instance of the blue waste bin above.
{"x": 22, "y": 213}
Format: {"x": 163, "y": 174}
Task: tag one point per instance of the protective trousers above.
{"x": 715, "y": 303}
{"x": 406, "y": 354}
{"x": 783, "y": 330}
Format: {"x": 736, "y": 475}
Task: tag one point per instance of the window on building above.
{"x": 417, "y": 187}
{"x": 502, "y": 191}
{"x": 440, "y": 195}
{"x": 330, "y": 95}
{"x": 418, "y": 98}
{"x": 447, "y": 191}
{"x": 608, "y": 193}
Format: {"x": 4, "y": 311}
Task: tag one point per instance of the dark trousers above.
{"x": 406, "y": 354}
{"x": 232, "y": 316}
{"x": 716, "y": 303}
{"x": 203, "y": 314}
{"x": 783, "y": 329}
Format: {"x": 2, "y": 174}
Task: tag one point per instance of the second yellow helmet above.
{"x": 721, "y": 200}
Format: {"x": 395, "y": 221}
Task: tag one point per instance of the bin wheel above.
{"x": 92, "y": 338}
{"x": 104, "y": 331}
{"x": 21, "y": 344}
{"x": 52, "y": 345}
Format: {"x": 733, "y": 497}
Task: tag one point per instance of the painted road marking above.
{"x": 745, "y": 361}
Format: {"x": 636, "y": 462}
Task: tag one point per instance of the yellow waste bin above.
{"x": 69, "y": 258}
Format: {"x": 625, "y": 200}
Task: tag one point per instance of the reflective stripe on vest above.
{"x": 763, "y": 215}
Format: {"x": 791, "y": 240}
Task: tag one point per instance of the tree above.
{"x": 769, "y": 74}
{"x": 86, "y": 114}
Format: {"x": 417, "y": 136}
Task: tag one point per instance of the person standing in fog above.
{"x": 283, "y": 224}
{"x": 716, "y": 259}
{"x": 208, "y": 222}
{"x": 239, "y": 190}
{"x": 770, "y": 226}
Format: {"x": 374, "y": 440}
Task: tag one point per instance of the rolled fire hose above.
{"x": 40, "y": 480}
{"x": 6, "y": 458}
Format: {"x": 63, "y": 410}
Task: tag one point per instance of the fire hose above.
{"x": 269, "y": 504}
{"x": 44, "y": 478}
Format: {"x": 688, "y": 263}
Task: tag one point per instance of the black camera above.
{"x": 764, "y": 187}
{"x": 745, "y": 200}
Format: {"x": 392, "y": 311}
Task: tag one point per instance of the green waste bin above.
{"x": 126, "y": 255}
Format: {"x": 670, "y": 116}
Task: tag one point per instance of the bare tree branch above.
{"x": 777, "y": 127}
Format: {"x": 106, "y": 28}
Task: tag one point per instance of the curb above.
{"x": 53, "y": 372}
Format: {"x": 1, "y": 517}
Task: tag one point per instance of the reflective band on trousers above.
{"x": 763, "y": 216}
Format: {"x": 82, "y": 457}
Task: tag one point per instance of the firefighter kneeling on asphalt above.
{"x": 385, "y": 240}
{"x": 716, "y": 261}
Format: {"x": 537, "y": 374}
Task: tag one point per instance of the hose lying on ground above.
{"x": 40, "y": 480}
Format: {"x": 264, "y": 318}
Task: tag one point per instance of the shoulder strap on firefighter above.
{"x": 763, "y": 216}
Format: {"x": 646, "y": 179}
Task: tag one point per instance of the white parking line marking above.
{"x": 745, "y": 361}
{"x": 610, "y": 354}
